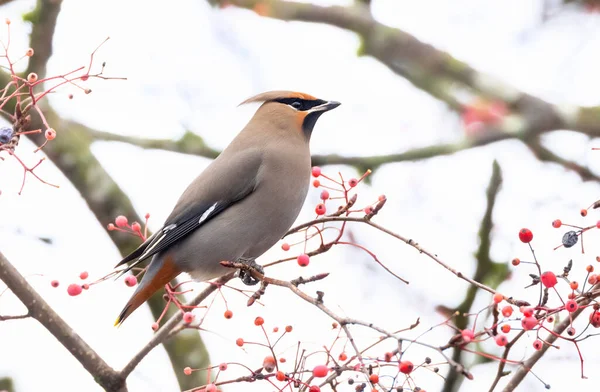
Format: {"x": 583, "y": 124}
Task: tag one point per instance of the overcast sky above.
{"x": 188, "y": 66}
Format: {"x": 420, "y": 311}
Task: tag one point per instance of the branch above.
{"x": 485, "y": 269}
{"x": 103, "y": 374}
{"x": 407, "y": 241}
{"x": 43, "y": 20}
{"x": 344, "y": 322}
{"x": 545, "y": 155}
{"x": 433, "y": 70}
{"x": 191, "y": 143}
{"x": 528, "y": 364}
{"x": 168, "y": 329}
{"x": 16, "y": 317}
{"x": 71, "y": 153}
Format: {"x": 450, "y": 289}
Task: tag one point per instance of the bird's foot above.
{"x": 244, "y": 275}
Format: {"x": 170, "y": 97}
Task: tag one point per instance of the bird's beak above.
{"x": 326, "y": 106}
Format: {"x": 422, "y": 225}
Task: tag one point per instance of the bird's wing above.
{"x": 222, "y": 184}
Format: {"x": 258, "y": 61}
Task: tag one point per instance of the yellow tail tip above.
{"x": 117, "y": 322}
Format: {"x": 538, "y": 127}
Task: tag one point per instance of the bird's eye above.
{"x": 297, "y": 105}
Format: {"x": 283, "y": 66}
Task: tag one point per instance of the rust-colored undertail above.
{"x": 167, "y": 272}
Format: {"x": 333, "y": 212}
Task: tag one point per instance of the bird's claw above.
{"x": 245, "y": 276}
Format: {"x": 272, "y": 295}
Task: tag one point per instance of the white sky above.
{"x": 188, "y": 66}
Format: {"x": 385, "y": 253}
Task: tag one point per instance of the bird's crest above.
{"x": 274, "y": 95}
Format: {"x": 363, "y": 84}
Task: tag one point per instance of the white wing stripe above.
{"x": 207, "y": 213}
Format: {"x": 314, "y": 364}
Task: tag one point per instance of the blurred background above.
{"x": 433, "y": 92}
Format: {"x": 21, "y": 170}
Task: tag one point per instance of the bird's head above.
{"x": 291, "y": 110}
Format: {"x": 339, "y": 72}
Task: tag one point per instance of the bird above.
{"x": 241, "y": 204}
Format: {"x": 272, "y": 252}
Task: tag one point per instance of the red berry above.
{"x": 374, "y": 378}
{"x": 74, "y": 289}
{"x": 507, "y": 311}
{"x": 188, "y": 317}
{"x": 574, "y": 285}
{"x": 316, "y": 171}
{"x": 288, "y": 329}
{"x": 549, "y": 279}
{"x": 595, "y": 319}
{"x": 259, "y": 321}
{"x": 228, "y": 314}
{"x": 498, "y": 298}
{"x": 320, "y": 371}
{"x": 467, "y": 335}
{"x": 527, "y": 312}
{"x": 406, "y": 367}
{"x": 529, "y": 323}
{"x": 285, "y": 246}
{"x": 84, "y": 275}
{"x": 210, "y": 388}
{"x": 282, "y": 359}
{"x": 571, "y": 305}
{"x": 505, "y": 328}
{"x": 583, "y": 212}
{"x": 314, "y": 388}
{"x": 50, "y": 134}
{"x": 501, "y": 340}
{"x": 537, "y": 345}
{"x": 54, "y": 283}
{"x": 130, "y": 280}
{"x": 516, "y": 261}
{"x": 269, "y": 363}
{"x": 155, "y": 327}
{"x": 320, "y": 209}
{"x": 239, "y": 342}
{"x": 353, "y": 182}
{"x": 343, "y": 356}
{"x": 388, "y": 356}
{"x": 316, "y": 183}
{"x": 280, "y": 376}
{"x": 223, "y": 367}
{"x": 381, "y": 198}
{"x": 135, "y": 226}
{"x": 525, "y": 235}
{"x": 556, "y": 223}
{"x": 121, "y": 221}
{"x": 589, "y": 268}
{"x": 85, "y": 286}
{"x": 187, "y": 371}
{"x": 276, "y": 329}
{"x": 110, "y": 227}
{"x": 368, "y": 210}
{"x": 324, "y": 194}
{"x": 303, "y": 260}
{"x": 571, "y": 331}
{"x": 32, "y": 77}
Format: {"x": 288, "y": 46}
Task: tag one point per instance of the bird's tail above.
{"x": 160, "y": 272}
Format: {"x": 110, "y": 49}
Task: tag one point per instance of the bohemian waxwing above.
{"x": 242, "y": 203}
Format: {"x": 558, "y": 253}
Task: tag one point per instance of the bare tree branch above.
{"x": 486, "y": 270}
{"x": 545, "y": 155}
{"x": 103, "y": 374}
{"x": 193, "y": 144}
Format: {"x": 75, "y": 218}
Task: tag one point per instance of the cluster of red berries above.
{"x": 341, "y": 189}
